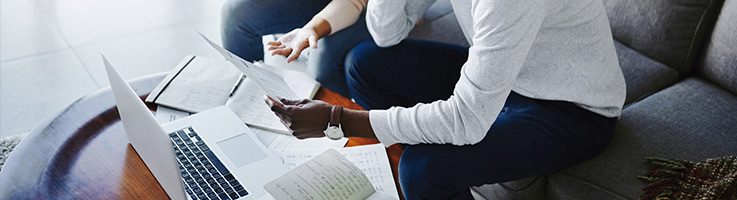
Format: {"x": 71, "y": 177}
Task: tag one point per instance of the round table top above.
{"x": 82, "y": 152}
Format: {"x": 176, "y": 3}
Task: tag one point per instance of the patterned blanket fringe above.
{"x": 680, "y": 179}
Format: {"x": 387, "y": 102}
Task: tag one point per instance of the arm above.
{"x": 309, "y": 118}
{"x": 390, "y": 21}
{"x": 336, "y": 16}
{"x": 504, "y": 33}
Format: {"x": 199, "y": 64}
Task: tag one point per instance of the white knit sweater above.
{"x": 542, "y": 49}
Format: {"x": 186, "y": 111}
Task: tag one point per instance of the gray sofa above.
{"x": 679, "y": 59}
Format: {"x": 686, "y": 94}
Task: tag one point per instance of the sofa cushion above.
{"x": 643, "y": 75}
{"x": 720, "y": 58}
{"x": 527, "y": 188}
{"x": 670, "y": 32}
{"x": 691, "y": 120}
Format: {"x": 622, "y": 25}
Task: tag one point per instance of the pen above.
{"x": 237, "y": 84}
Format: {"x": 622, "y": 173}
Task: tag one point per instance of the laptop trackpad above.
{"x": 241, "y": 150}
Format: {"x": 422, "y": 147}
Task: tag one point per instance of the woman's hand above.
{"x": 292, "y": 44}
{"x": 304, "y": 118}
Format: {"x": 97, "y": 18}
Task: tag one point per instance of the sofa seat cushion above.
{"x": 643, "y": 76}
{"x": 691, "y": 120}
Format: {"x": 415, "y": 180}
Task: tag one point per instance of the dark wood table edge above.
{"x": 24, "y": 173}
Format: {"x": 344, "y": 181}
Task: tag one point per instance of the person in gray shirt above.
{"x": 539, "y": 89}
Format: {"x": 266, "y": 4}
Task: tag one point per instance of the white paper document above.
{"x": 271, "y": 83}
{"x": 326, "y": 176}
{"x": 278, "y": 142}
{"x": 370, "y": 159}
{"x": 165, "y": 114}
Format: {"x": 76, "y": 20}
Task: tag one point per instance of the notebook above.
{"x": 209, "y": 155}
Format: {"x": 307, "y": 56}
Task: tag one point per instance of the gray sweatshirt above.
{"x": 542, "y": 49}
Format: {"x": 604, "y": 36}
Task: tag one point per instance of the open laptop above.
{"x": 214, "y": 154}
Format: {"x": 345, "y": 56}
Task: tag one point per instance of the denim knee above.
{"x": 425, "y": 175}
{"x": 358, "y": 62}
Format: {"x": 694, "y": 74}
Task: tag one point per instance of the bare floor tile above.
{"x": 25, "y": 31}
{"x": 147, "y": 53}
{"x": 35, "y": 88}
{"x": 83, "y": 21}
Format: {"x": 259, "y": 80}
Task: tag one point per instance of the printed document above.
{"x": 370, "y": 159}
{"x": 327, "y": 176}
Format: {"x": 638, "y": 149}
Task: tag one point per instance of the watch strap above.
{"x": 335, "y": 115}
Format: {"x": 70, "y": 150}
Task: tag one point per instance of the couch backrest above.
{"x": 719, "y": 62}
{"x": 668, "y": 31}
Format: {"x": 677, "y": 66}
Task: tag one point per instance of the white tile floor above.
{"x": 49, "y": 49}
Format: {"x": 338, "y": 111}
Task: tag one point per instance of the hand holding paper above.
{"x": 273, "y": 84}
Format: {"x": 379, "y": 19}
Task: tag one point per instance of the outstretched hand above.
{"x": 292, "y": 44}
{"x": 305, "y": 118}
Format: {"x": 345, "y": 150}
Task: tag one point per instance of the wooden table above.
{"x": 83, "y": 153}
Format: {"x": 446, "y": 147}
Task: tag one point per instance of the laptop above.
{"x": 208, "y": 155}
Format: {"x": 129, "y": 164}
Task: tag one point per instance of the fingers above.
{"x": 298, "y": 50}
{"x": 283, "y": 52}
{"x": 275, "y": 106}
{"x": 276, "y": 47}
{"x": 313, "y": 41}
{"x": 294, "y": 102}
{"x": 274, "y": 43}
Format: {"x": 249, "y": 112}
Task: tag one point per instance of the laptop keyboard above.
{"x": 204, "y": 176}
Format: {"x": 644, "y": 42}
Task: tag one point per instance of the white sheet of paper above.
{"x": 204, "y": 84}
{"x": 252, "y": 109}
{"x": 165, "y": 114}
{"x": 277, "y": 142}
{"x": 327, "y": 176}
{"x": 271, "y": 83}
{"x": 370, "y": 159}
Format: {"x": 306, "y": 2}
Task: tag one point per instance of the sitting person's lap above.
{"x": 529, "y": 137}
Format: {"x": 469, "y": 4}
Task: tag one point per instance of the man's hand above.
{"x": 292, "y": 44}
{"x": 305, "y": 118}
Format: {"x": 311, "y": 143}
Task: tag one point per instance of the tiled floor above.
{"x": 50, "y": 49}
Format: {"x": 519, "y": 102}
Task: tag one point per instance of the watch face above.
{"x": 334, "y": 132}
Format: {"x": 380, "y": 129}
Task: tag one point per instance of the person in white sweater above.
{"x": 539, "y": 89}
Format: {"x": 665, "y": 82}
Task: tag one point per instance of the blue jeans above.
{"x": 245, "y": 21}
{"x": 529, "y": 137}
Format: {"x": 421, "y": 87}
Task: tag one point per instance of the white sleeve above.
{"x": 390, "y": 21}
{"x": 342, "y": 13}
{"x": 504, "y": 32}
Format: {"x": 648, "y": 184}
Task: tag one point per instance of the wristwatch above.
{"x": 334, "y": 131}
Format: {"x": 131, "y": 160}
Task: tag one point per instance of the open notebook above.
{"x": 200, "y": 83}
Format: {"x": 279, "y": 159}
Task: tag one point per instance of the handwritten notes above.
{"x": 328, "y": 176}
{"x": 370, "y": 159}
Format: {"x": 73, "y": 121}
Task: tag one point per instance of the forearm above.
{"x": 341, "y": 13}
{"x": 320, "y": 25}
{"x": 355, "y": 123}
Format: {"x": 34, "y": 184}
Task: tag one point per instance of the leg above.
{"x": 402, "y": 75}
{"x": 245, "y": 21}
{"x": 530, "y": 137}
{"x": 326, "y": 63}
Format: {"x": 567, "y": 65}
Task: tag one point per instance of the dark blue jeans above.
{"x": 245, "y": 21}
{"x": 529, "y": 137}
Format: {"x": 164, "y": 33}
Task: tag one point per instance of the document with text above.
{"x": 329, "y": 175}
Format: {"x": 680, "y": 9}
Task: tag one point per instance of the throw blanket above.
{"x": 680, "y": 179}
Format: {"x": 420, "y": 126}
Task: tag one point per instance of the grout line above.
{"x": 43, "y": 53}
{"x": 86, "y": 69}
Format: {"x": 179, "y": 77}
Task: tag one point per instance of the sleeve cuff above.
{"x": 379, "y": 123}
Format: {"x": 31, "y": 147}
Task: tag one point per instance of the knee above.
{"x": 240, "y": 15}
{"x": 360, "y": 62}
{"x": 422, "y": 175}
